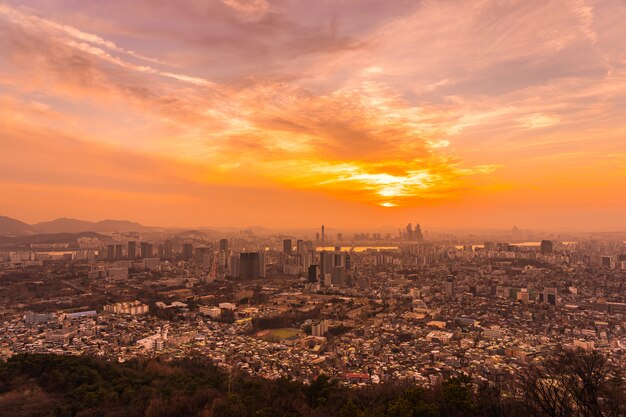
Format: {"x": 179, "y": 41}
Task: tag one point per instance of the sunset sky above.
{"x": 291, "y": 113}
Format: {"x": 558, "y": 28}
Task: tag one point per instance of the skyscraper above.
{"x": 146, "y": 249}
{"x": 326, "y": 262}
{"x": 287, "y": 248}
{"x": 323, "y": 237}
{"x": 187, "y": 251}
{"x": 233, "y": 266}
{"x": 546, "y": 246}
{"x": 119, "y": 248}
{"x": 251, "y": 265}
{"x": 224, "y": 244}
{"x": 417, "y": 233}
{"x": 409, "y": 232}
{"x": 338, "y": 277}
{"x": 203, "y": 256}
{"x": 449, "y": 286}
{"x": 132, "y": 249}
{"x": 110, "y": 252}
{"x": 312, "y": 273}
{"x": 168, "y": 249}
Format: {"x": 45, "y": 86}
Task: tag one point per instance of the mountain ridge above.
{"x": 14, "y": 227}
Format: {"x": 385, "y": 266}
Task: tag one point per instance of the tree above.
{"x": 573, "y": 383}
{"x": 349, "y": 410}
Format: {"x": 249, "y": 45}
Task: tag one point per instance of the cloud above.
{"x": 538, "y": 120}
{"x": 250, "y": 9}
{"x": 263, "y": 124}
{"x": 388, "y": 105}
{"x": 31, "y": 20}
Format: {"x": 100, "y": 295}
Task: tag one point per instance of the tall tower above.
{"x": 287, "y": 246}
{"x": 187, "y": 251}
{"x": 409, "y": 232}
{"x": 323, "y": 239}
{"x": 417, "y": 234}
{"x": 251, "y": 265}
{"x": 132, "y": 249}
{"x": 118, "y": 251}
{"x": 546, "y": 247}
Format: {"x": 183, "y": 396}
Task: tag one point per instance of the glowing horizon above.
{"x": 287, "y": 112}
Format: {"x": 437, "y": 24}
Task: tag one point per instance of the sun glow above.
{"x": 390, "y": 184}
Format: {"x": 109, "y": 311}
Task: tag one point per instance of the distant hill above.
{"x": 66, "y": 225}
{"x": 71, "y": 238}
{"x": 63, "y": 225}
{"x": 192, "y": 234}
{"x": 13, "y": 227}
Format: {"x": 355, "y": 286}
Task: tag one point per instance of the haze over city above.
{"x": 291, "y": 114}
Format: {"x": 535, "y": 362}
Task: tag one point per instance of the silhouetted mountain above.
{"x": 13, "y": 227}
{"x": 191, "y": 232}
{"x": 66, "y": 225}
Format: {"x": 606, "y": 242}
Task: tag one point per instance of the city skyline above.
{"x": 279, "y": 114}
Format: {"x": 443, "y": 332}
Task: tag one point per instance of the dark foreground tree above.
{"x": 573, "y": 383}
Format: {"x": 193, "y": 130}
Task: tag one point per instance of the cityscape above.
{"x": 282, "y": 208}
{"x": 362, "y": 308}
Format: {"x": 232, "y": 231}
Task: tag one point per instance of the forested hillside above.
{"x": 48, "y": 385}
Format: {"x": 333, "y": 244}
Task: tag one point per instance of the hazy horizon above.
{"x": 331, "y": 228}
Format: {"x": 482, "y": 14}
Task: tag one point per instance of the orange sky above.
{"x": 293, "y": 113}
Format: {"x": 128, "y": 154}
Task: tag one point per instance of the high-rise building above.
{"x": 313, "y": 273}
{"x": 320, "y": 328}
{"x": 546, "y": 246}
{"x": 251, "y": 265}
{"x": 409, "y": 232}
{"x": 300, "y": 248}
{"x": 234, "y": 266}
{"x": 417, "y": 234}
{"x": 339, "y": 237}
{"x": 203, "y": 256}
{"x": 339, "y": 258}
{"x": 224, "y": 244}
{"x": 338, "y": 276}
{"x": 132, "y": 249}
{"x": 187, "y": 251}
{"x": 449, "y": 286}
{"x": 110, "y": 252}
{"x": 119, "y": 251}
{"x": 323, "y": 236}
{"x": 287, "y": 248}
{"x": 168, "y": 249}
{"x": 326, "y": 262}
{"x": 146, "y": 249}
